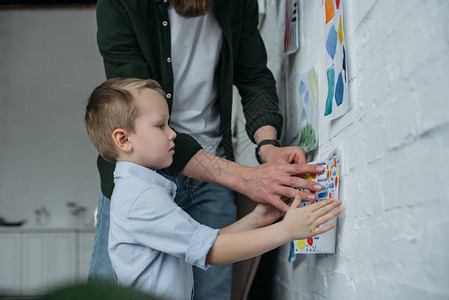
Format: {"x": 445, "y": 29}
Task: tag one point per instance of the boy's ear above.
{"x": 121, "y": 139}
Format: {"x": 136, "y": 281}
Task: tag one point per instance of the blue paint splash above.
{"x": 330, "y": 91}
{"x": 331, "y": 44}
{"x": 306, "y": 98}
{"x": 339, "y": 90}
{"x": 344, "y": 62}
{"x": 302, "y": 87}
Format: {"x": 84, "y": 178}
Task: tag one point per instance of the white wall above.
{"x": 392, "y": 237}
{"x": 49, "y": 64}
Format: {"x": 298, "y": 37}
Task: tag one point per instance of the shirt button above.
{"x": 165, "y": 23}
{"x": 165, "y": 1}
{"x": 168, "y": 59}
{"x": 168, "y": 95}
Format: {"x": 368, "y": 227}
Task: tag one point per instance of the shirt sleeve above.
{"x": 156, "y": 221}
{"x": 118, "y": 43}
{"x": 253, "y": 79}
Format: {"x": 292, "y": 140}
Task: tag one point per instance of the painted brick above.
{"x": 390, "y": 237}
{"x": 375, "y": 144}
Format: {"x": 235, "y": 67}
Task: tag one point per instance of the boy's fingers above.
{"x": 327, "y": 208}
{"x": 328, "y": 217}
{"x": 323, "y": 229}
{"x": 316, "y": 206}
{"x": 296, "y": 202}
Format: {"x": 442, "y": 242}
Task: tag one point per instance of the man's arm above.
{"x": 266, "y": 183}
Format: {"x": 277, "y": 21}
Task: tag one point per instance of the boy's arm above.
{"x": 262, "y": 215}
{"x": 299, "y": 223}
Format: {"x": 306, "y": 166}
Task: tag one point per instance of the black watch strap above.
{"x": 265, "y": 142}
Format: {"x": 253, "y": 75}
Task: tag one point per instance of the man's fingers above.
{"x": 307, "y": 196}
{"x": 298, "y": 169}
{"x": 279, "y": 204}
{"x": 298, "y": 182}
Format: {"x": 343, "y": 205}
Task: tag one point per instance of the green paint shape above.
{"x": 308, "y": 138}
{"x": 330, "y": 90}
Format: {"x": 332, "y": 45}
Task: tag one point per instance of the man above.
{"x": 198, "y": 50}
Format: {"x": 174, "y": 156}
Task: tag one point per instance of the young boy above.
{"x": 152, "y": 242}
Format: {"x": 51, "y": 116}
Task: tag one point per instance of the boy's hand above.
{"x": 266, "y": 214}
{"x": 304, "y": 222}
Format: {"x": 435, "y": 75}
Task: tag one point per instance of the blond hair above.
{"x": 112, "y": 105}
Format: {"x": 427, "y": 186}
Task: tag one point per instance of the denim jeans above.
{"x": 207, "y": 203}
{"x": 100, "y": 264}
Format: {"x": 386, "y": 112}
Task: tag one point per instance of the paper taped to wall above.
{"x": 330, "y": 180}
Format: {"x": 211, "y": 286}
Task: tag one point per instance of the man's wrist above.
{"x": 263, "y": 143}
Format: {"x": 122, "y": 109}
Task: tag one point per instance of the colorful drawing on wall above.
{"x": 337, "y": 102}
{"x": 288, "y": 109}
{"x": 308, "y": 94}
{"x": 330, "y": 9}
{"x": 291, "y": 37}
{"x": 330, "y": 180}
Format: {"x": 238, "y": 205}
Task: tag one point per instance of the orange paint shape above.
{"x": 340, "y": 31}
{"x": 314, "y": 176}
{"x": 336, "y": 182}
{"x": 330, "y": 10}
{"x": 335, "y": 162}
{"x": 338, "y": 3}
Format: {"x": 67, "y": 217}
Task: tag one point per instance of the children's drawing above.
{"x": 330, "y": 180}
{"x": 288, "y": 109}
{"x": 330, "y": 9}
{"x": 308, "y": 98}
{"x": 291, "y": 37}
{"x": 337, "y": 103}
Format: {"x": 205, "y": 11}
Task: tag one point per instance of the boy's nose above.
{"x": 172, "y": 135}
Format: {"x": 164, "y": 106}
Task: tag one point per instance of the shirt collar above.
{"x": 126, "y": 168}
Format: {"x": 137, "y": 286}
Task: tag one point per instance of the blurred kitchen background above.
{"x": 49, "y": 184}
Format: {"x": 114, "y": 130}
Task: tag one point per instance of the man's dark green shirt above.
{"x": 134, "y": 39}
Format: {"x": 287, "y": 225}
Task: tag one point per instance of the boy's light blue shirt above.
{"x": 153, "y": 242}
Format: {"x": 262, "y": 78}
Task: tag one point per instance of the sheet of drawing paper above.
{"x": 291, "y": 37}
{"x": 337, "y": 103}
{"x": 330, "y": 180}
{"x": 288, "y": 108}
{"x": 309, "y": 115}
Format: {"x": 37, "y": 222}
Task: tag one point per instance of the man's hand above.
{"x": 270, "y": 183}
{"x": 282, "y": 155}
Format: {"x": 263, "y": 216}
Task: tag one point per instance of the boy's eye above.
{"x": 161, "y": 126}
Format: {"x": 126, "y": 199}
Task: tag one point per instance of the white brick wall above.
{"x": 392, "y": 237}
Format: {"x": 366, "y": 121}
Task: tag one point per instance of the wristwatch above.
{"x": 265, "y": 142}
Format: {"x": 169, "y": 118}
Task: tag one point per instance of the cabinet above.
{"x": 32, "y": 262}
{"x": 10, "y": 263}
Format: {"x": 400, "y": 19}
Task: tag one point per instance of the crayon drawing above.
{"x": 330, "y": 180}
{"x": 308, "y": 100}
{"x": 291, "y": 37}
{"x": 337, "y": 103}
